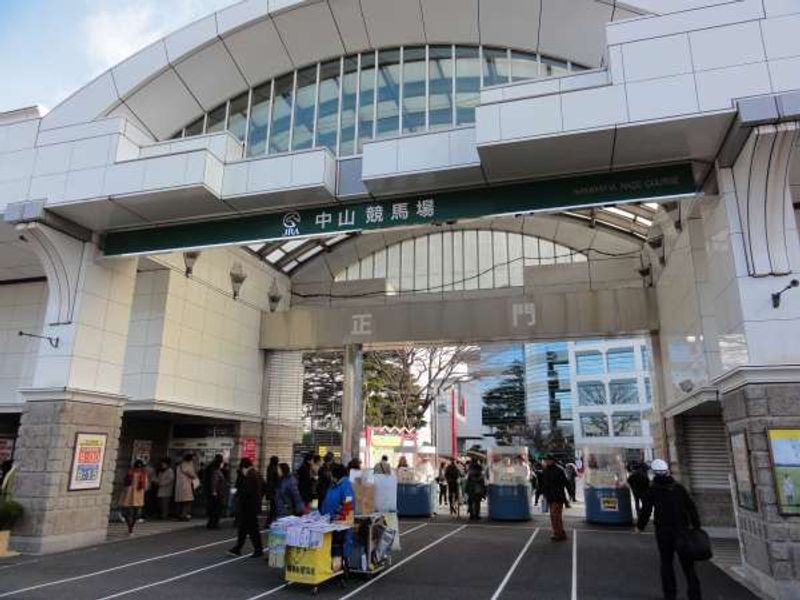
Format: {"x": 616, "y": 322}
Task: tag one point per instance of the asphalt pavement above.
{"x": 441, "y": 558}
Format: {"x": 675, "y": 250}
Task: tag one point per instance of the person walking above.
{"x": 215, "y": 491}
{"x": 476, "y": 489}
{"x": 271, "y": 487}
{"x": 440, "y": 479}
{"x": 288, "y": 501}
{"x": 249, "y": 507}
{"x": 186, "y": 481}
{"x": 132, "y": 500}
{"x": 638, "y": 482}
{"x": 452, "y": 475}
{"x": 165, "y": 479}
{"x": 554, "y": 488}
{"x": 571, "y": 472}
{"x": 305, "y": 480}
{"x": 324, "y": 480}
{"x": 675, "y": 514}
{"x": 383, "y": 467}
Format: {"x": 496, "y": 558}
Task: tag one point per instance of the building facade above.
{"x": 391, "y": 171}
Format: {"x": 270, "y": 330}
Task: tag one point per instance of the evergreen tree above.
{"x": 504, "y": 405}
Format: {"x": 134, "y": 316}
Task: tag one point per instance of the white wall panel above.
{"x": 140, "y": 67}
{"x": 574, "y": 29}
{"x": 350, "y": 23}
{"x": 22, "y": 307}
{"x": 785, "y": 74}
{"x": 86, "y": 104}
{"x": 392, "y": 23}
{"x": 716, "y": 89}
{"x": 659, "y": 98}
{"x": 309, "y": 33}
{"x": 660, "y": 57}
{"x": 211, "y": 75}
{"x": 451, "y": 21}
{"x": 780, "y": 36}
{"x": 727, "y": 46}
{"x": 510, "y": 23}
{"x": 594, "y": 108}
{"x": 191, "y": 37}
{"x": 250, "y": 46}
{"x": 525, "y": 118}
{"x": 239, "y": 14}
{"x": 164, "y": 105}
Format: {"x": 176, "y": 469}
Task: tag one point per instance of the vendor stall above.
{"x": 416, "y": 492}
{"x": 606, "y": 494}
{"x": 509, "y": 484}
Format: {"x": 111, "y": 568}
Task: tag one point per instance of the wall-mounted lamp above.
{"x": 237, "y": 279}
{"x": 53, "y": 341}
{"x": 776, "y": 297}
{"x": 274, "y": 296}
{"x": 189, "y": 260}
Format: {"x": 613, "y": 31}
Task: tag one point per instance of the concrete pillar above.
{"x": 282, "y": 408}
{"x": 76, "y": 389}
{"x": 352, "y": 402}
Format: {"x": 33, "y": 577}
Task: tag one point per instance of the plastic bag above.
{"x": 385, "y": 493}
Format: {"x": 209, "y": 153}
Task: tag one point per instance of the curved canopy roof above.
{"x": 191, "y": 71}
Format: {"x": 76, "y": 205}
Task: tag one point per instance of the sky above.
{"x": 51, "y": 48}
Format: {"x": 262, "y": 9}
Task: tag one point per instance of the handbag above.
{"x": 696, "y": 544}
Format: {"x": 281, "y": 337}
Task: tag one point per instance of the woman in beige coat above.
{"x": 132, "y": 499}
{"x": 186, "y": 481}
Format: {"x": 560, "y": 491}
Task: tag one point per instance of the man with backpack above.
{"x": 675, "y": 514}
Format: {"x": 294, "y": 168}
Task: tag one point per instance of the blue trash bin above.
{"x": 510, "y": 502}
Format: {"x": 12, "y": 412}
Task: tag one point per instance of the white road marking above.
{"x": 413, "y": 529}
{"x": 401, "y": 563}
{"x": 112, "y": 569}
{"x": 514, "y": 566}
{"x": 269, "y": 592}
{"x": 574, "y": 564}
{"x": 18, "y": 564}
{"x": 171, "y": 579}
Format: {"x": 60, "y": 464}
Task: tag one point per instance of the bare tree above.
{"x": 408, "y": 380}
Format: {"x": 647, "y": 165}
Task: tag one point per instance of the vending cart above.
{"x": 605, "y": 490}
{"x": 509, "y": 484}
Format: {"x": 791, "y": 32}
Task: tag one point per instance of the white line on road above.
{"x": 269, "y": 592}
{"x": 401, "y": 563}
{"x": 176, "y": 578}
{"x": 18, "y": 564}
{"x": 413, "y": 529}
{"x": 514, "y": 566}
{"x": 112, "y": 569}
{"x": 574, "y": 564}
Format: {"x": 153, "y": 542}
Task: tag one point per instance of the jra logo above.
{"x": 291, "y": 224}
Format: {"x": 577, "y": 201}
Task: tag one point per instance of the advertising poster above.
{"x": 745, "y": 492}
{"x": 249, "y": 448}
{"x": 784, "y": 445}
{"x": 87, "y": 461}
{"x": 142, "y": 449}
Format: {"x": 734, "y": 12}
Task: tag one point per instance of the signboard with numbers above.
{"x": 557, "y": 194}
{"x": 87, "y": 461}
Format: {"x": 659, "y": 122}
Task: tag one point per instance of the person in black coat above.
{"x": 270, "y": 487}
{"x": 476, "y": 489}
{"x": 306, "y": 476}
{"x": 639, "y": 484}
{"x": 675, "y": 514}
{"x": 249, "y": 494}
{"x": 324, "y": 480}
{"x": 554, "y": 486}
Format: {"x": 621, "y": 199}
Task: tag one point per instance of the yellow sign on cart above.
{"x": 310, "y": 565}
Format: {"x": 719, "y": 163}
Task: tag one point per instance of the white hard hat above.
{"x": 659, "y": 466}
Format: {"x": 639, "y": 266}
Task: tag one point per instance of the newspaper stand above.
{"x": 605, "y": 491}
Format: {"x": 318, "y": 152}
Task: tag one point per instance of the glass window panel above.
{"x": 237, "y": 120}
{"x": 440, "y": 87}
{"x": 328, "y": 111}
{"x": 646, "y": 363}
{"x": 594, "y": 425}
{"x": 259, "y": 121}
{"x": 470, "y": 249}
{"x": 388, "y": 93}
{"x": 347, "y": 135}
{"x": 216, "y": 119}
{"x": 515, "y": 266}
{"x": 591, "y": 393}
{"x": 421, "y": 264}
{"x": 552, "y": 67}
{"x": 648, "y": 391}
{"x": 531, "y": 248}
{"x": 485, "y": 261}
{"x": 468, "y": 83}
{"x": 546, "y": 252}
{"x": 495, "y": 66}
{"x": 366, "y": 97}
{"x": 380, "y": 264}
{"x": 523, "y": 66}
{"x": 305, "y": 97}
{"x": 624, "y": 392}
{"x": 447, "y": 261}
{"x": 500, "y": 241}
{"x": 589, "y": 363}
{"x": 627, "y": 424}
{"x": 281, "y": 114}
{"x": 621, "y": 360}
{"x": 196, "y": 127}
{"x": 407, "y": 266}
{"x": 393, "y": 267}
{"x": 435, "y": 262}
{"x": 414, "y": 89}
{"x": 367, "y": 264}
